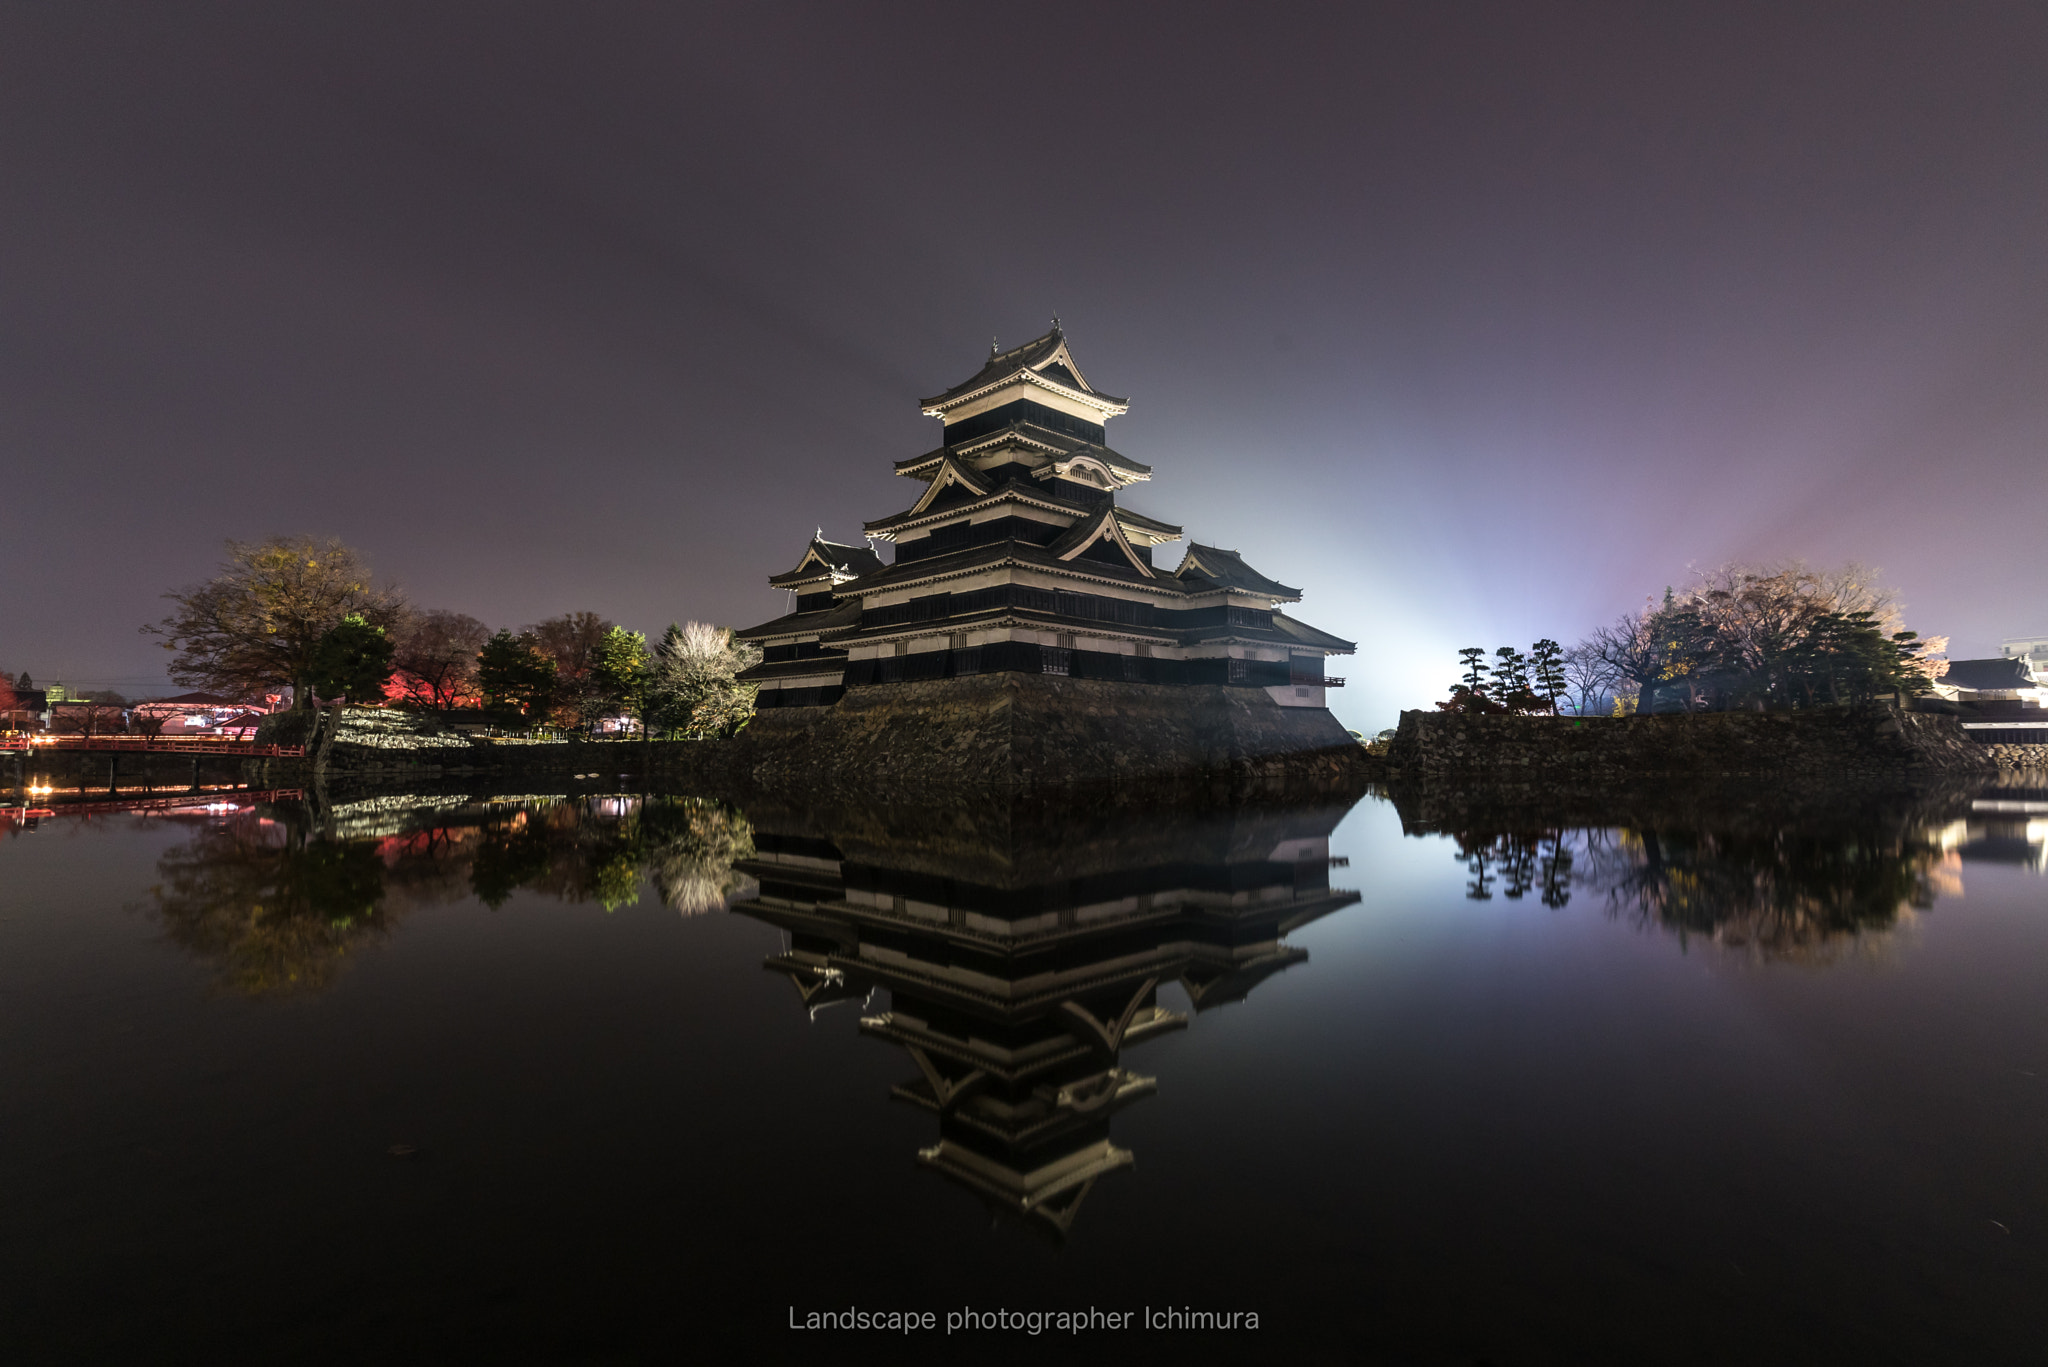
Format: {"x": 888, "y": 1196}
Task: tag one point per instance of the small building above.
{"x": 192, "y": 714}
{"x": 30, "y": 710}
{"x": 2002, "y": 699}
{"x": 2032, "y": 649}
{"x": 2000, "y": 679}
{"x": 1019, "y": 555}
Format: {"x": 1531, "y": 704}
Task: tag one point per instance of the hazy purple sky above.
{"x": 1480, "y": 322}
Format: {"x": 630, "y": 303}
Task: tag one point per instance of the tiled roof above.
{"x": 1984, "y": 675}
{"x": 1027, "y": 489}
{"x": 1310, "y": 636}
{"x": 1001, "y": 552}
{"x": 1030, "y": 356}
{"x": 1081, "y": 533}
{"x": 1226, "y": 569}
{"x": 845, "y": 612}
{"x": 1065, "y": 443}
{"x": 835, "y": 558}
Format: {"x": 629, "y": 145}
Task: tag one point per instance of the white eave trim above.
{"x": 1107, "y": 528}
{"x": 949, "y": 474}
{"x": 969, "y": 509}
{"x": 1063, "y": 567}
{"x": 1094, "y": 401}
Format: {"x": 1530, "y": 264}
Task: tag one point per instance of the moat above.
{"x": 605, "y": 1074}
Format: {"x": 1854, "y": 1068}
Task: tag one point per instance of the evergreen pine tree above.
{"x": 1476, "y": 670}
{"x": 1511, "y": 678}
{"x": 352, "y": 660}
{"x": 1546, "y": 666}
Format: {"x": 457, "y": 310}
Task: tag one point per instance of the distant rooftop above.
{"x": 1995, "y": 674}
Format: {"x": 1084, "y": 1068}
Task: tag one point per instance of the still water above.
{"x": 627, "y": 1077}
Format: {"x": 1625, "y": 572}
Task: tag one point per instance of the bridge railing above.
{"x": 159, "y": 745}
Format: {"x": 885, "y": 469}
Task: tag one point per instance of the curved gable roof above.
{"x": 1227, "y": 570}
{"x": 1102, "y": 528}
{"x": 824, "y": 559}
{"x": 1045, "y": 357}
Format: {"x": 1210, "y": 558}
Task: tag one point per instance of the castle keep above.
{"x": 1018, "y": 558}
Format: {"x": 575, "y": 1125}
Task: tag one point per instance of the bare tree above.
{"x": 1751, "y": 635}
{"x": 86, "y": 718}
{"x": 436, "y": 658}
{"x": 572, "y": 641}
{"x": 1589, "y": 679}
{"x": 1631, "y": 649}
{"x": 259, "y": 622}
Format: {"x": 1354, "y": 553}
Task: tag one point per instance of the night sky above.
{"x": 1479, "y": 322}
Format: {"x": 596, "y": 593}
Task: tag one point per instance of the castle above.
{"x": 1018, "y": 558}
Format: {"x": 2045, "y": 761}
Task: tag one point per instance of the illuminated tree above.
{"x": 511, "y": 672}
{"x": 436, "y": 659}
{"x": 692, "y": 688}
{"x": 1781, "y": 635}
{"x": 352, "y": 661}
{"x": 618, "y": 675}
{"x": 571, "y": 641}
{"x": 259, "y": 623}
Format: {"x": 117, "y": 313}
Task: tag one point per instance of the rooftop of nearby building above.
{"x": 192, "y": 700}
{"x": 1998, "y": 674}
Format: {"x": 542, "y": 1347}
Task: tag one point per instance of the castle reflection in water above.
{"x": 1023, "y": 950}
{"x": 1019, "y": 952}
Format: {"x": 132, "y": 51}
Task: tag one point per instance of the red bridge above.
{"x": 151, "y": 745}
{"x": 219, "y": 801}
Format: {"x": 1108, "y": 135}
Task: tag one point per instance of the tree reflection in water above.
{"x": 279, "y": 906}
{"x": 1782, "y": 892}
{"x": 277, "y": 911}
{"x": 1523, "y": 861}
{"x": 578, "y": 852}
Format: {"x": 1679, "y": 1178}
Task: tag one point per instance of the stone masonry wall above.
{"x": 1002, "y": 729}
{"x": 1822, "y": 743}
{"x": 1029, "y": 729}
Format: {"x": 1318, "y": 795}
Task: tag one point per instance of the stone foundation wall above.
{"x": 1006, "y": 730}
{"x": 1822, "y": 743}
{"x": 1030, "y": 730}
{"x": 2018, "y": 756}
